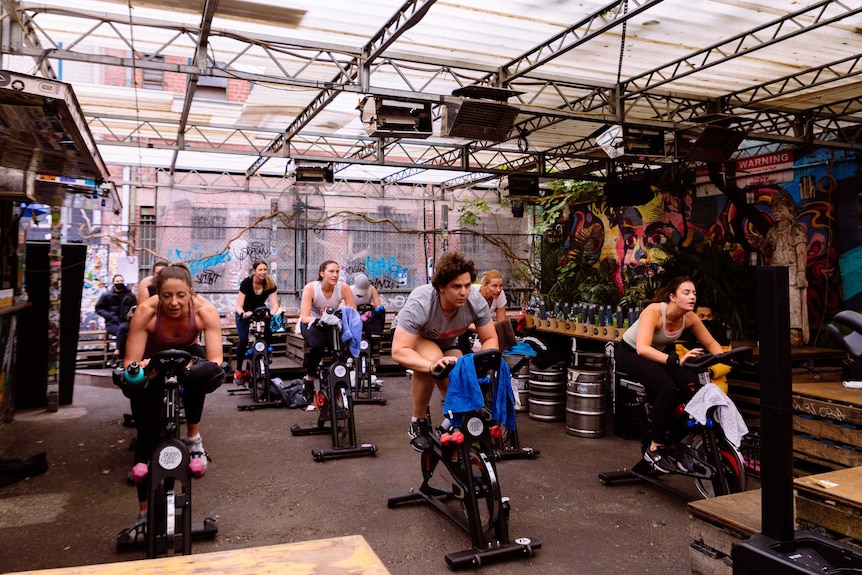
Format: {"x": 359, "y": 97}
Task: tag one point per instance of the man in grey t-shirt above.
{"x": 427, "y": 329}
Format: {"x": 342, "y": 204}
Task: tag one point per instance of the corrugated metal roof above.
{"x": 773, "y": 70}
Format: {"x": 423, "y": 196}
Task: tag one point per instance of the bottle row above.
{"x": 586, "y": 313}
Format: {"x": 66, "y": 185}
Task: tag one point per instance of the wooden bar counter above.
{"x": 350, "y": 555}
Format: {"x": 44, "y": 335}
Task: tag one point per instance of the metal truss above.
{"x": 646, "y": 100}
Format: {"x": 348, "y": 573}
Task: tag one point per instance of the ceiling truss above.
{"x": 784, "y": 110}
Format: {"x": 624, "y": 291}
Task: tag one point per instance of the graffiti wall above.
{"x": 824, "y": 186}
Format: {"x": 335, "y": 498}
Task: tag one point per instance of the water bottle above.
{"x": 134, "y": 374}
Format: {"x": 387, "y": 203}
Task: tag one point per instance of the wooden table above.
{"x": 716, "y": 525}
{"x": 831, "y": 500}
{"x": 827, "y": 424}
{"x": 350, "y": 555}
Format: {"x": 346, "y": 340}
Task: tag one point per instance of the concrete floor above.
{"x": 264, "y": 488}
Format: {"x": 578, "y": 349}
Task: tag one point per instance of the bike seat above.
{"x": 851, "y": 342}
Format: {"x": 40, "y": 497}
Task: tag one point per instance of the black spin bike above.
{"x": 467, "y": 490}
{"x": 256, "y": 376}
{"x": 365, "y": 373}
{"x": 169, "y": 481}
{"x": 335, "y": 403}
{"x": 703, "y": 452}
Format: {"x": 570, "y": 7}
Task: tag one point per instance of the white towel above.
{"x": 726, "y": 414}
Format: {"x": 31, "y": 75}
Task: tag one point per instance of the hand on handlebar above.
{"x": 329, "y": 318}
{"x": 691, "y": 354}
{"x": 441, "y": 368}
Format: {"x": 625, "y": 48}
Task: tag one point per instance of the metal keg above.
{"x": 547, "y": 393}
{"x": 586, "y": 402}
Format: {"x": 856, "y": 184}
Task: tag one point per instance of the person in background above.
{"x": 364, "y": 293}
{"x": 491, "y": 289}
{"x": 174, "y": 318}
{"x": 327, "y": 291}
{"x": 646, "y": 350}
{"x": 147, "y": 287}
{"x": 114, "y": 306}
{"x": 427, "y": 328}
{"x": 254, "y": 292}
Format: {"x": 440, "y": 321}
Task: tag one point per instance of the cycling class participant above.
{"x": 254, "y": 291}
{"x": 172, "y": 319}
{"x": 147, "y": 287}
{"x": 427, "y": 330}
{"x": 364, "y": 293}
{"x": 327, "y": 291}
{"x": 646, "y": 350}
{"x": 492, "y": 290}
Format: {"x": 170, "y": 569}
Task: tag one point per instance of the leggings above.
{"x": 242, "y": 327}
{"x": 318, "y": 343}
{"x": 665, "y": 387}
{"x": 147, "y": 411}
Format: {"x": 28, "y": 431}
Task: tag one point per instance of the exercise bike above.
{"x": 372, "y": 328}
{"x": 335, "y": 403}
{"x": 169, "y": 486}
{"x": 255, "y": 376}
{"x": 463, "y": 449}
{"x": 703, "y": 451}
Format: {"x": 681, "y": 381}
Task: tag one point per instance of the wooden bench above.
{"x": 349, "y": 555}
{"x": 716, "y": 525}
{"x": 808, "y": 364}
{"x": 831, "y": 503}
{"x": 827, "y": 424}
{"x": 95, "y": 348}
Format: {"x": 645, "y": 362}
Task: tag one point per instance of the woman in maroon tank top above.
{"x": 173, "y": 320}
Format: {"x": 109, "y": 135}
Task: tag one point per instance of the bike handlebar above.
{"x": 484, "y": 361}
{"x": 170, "y": 362}
{"x": 733, "y": 357}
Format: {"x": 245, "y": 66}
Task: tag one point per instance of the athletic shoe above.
{"x": 136, "y": 535}
{"x": 420, "y": 435}
{"x": 199, "y": 458}
{"x": 237, "y": 378}
{"x": 308, "y": 394}
{"x": 660, "y": 460}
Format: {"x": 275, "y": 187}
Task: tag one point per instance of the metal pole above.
{"x": 776, "y": 411}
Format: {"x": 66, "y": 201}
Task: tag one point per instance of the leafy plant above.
{"x": 471, "y": 210}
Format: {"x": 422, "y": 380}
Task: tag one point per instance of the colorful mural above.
{"x": 824, "y": 186}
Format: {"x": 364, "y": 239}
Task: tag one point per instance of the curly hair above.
{"x": 449, "y": 266}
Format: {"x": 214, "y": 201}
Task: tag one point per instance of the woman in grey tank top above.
{"x": 645, "y": 353}
{"x": 326, "y": 291}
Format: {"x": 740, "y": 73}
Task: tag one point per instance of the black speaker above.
{"x": 31, "y": 376}
{"x": 628, "y": 191}
{"x": 523, "y": 185}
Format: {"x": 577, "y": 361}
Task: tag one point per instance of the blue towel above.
{"x": 464, "y": 393}
{"x": 503, "y": 409}
{"x": 522, "y": 348}
{"x": 351, "y": 330}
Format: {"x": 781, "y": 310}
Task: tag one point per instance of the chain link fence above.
{"x": 395, "y": 260}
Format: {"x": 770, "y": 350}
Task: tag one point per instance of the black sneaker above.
{"x": 420, "y": 435}
{"x": 660, "y": 460}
